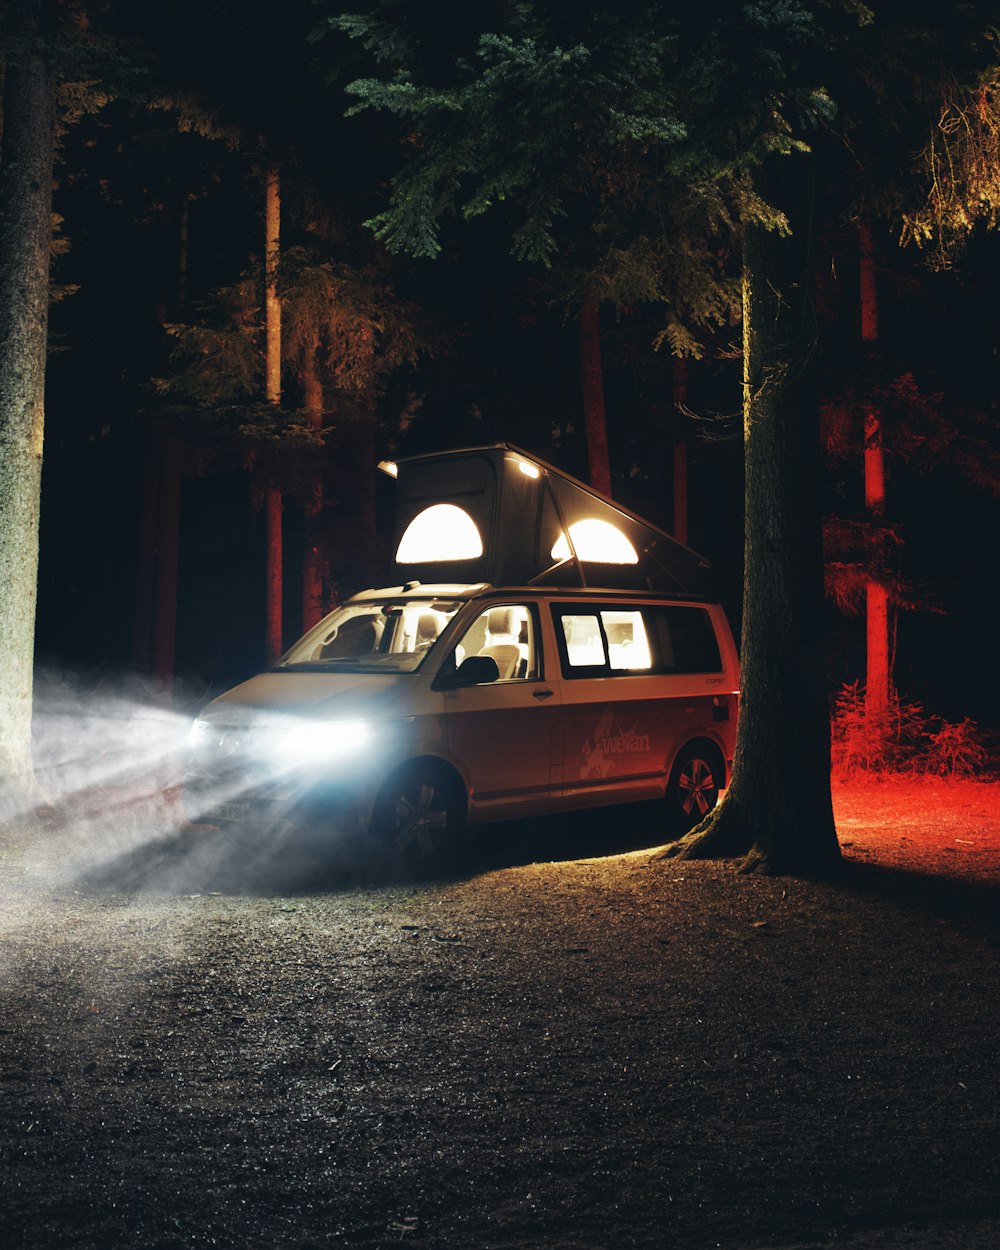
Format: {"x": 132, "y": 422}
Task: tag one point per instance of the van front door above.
{"x": 502, "y": 733}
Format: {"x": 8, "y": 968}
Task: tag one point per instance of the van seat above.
{"x": 356, "y": 637}
{"x": 428, "y": 628}
{"x": 507, "y": 642}
{"x": 507, "y": 656}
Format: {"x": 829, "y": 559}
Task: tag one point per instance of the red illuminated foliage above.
{"x": 906, "y": 741}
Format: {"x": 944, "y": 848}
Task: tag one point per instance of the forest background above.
{"x": 162, "y": 450}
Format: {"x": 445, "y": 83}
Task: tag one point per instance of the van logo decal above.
{"x": 610, "y": 739}
{"x": 626, "y": 743}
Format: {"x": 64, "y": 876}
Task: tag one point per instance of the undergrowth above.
{"x": 908, "y": 740}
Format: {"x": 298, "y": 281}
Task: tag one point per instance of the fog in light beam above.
{"x": 109, "y": 762}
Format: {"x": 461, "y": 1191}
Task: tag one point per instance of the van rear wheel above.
{"x": 421, "y": 813}
{"x": 693, "y": 789}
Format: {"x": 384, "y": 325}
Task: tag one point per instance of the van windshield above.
{"x": 370, "y": 637}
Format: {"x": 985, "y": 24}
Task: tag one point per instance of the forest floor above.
{"x": 565, "y": 1044}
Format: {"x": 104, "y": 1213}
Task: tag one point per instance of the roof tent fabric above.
{"x": 522, "y": 508}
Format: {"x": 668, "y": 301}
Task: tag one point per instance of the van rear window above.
{"x": 617, "y": 640}
{"x": 686, "y": 640}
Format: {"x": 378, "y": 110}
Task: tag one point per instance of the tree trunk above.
{"x": 778, "y": 810}
{"x": 272, "y": 318}
{"x": 25, "y": 228}
{"x": 877, "y": 674}
{"x": 595, "y": 422}
{"x": 313, "y": 562}
{"x": 680, "y": 456}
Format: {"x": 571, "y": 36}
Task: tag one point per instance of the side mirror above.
{"x": 477, "y": 670}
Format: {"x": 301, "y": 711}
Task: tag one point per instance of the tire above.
{"x": 693, "y": 789}
{"x": 421, "y": 814}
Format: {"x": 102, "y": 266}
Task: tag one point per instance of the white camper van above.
{"x": 419, "y": 709}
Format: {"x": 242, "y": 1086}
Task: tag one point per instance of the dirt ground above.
{"x": 567, "y": 1043}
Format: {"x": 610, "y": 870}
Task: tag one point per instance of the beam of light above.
{"x": 108, "y": 812}
{"x": 598, "y": 542}
{"x": 84, "y": 742}
{"x": 441, "y": 532}
{"x": 108, "y": 764}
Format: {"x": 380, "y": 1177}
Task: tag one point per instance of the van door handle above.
{"x": 542, "y": 694}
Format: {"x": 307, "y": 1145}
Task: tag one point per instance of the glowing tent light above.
{"x": 598, "y": 542}
{"x": 441, "y": 532}
{"x": 529, "y": 469}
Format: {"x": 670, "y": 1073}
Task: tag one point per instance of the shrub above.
{"x": 956, "y": 750}
{"x": 907, "y": 739}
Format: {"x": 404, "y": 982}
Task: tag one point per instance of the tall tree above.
{"x": 25, "y": 230}
{"x": 778, "y": 810}
{"x": 272, "y": 392}
{"x": 595, "y": 420}
{"x": 877, "y": 668}
{"x": 345, "y": 330}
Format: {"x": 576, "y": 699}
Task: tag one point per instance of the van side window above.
{"x": 604, "y": 641}
{"x": 686, "y": 640}
{"x": 616, "y": 641}
{"x": 628, "y": 646}
{"x": 581, "y": 636}
{"x": 506, "y": 634}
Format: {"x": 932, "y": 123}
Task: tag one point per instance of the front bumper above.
{"x": 241, "y": 792}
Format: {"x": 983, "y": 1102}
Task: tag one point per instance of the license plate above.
{"x": 231, "y": 811}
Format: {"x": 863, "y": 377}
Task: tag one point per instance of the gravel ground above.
{"x": 568, "y": 1043}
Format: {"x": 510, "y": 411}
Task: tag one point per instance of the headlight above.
{"x": 198, "y": 733}
{"x": 314, "y": 741}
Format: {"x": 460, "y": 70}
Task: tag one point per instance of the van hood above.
{"x": 320, "y": 696}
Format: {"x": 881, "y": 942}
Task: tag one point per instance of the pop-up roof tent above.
{"x": 500, "y": 515}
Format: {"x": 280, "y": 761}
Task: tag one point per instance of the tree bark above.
{"x": 595, "y": 421}
{"x": 25, "y": 229}
{"x": 878, "y": 688}
{"x": 272, "y": 318}
{"x": 778, "y": 810}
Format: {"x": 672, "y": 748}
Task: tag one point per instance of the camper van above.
{"x": 426, "y": 707}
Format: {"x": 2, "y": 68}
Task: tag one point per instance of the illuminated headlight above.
{"x": 315, "y": 741}
{"x": 199, "y": 733}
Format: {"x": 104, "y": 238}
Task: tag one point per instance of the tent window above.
{"x": 441, "y": 532}
{"x": 598, "y": 542}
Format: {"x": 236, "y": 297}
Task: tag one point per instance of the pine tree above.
{"x": 345, "y": 331}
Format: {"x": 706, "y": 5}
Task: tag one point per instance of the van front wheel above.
{"x": 693, "y": 789}
{"x": 421, "y": 813}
